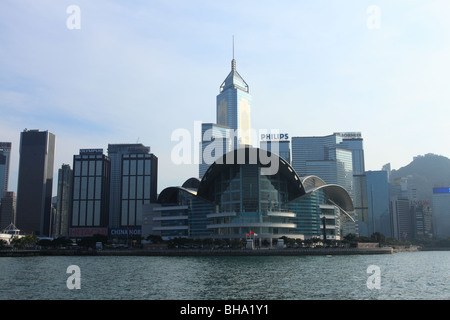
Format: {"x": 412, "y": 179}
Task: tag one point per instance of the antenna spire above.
{"x": 233, "y": 62}
{"x": 233, "y": 47}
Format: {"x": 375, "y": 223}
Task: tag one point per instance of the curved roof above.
{"x": 191, "y": 183}
{"x": 270, "y": 164}
{"x": 170, "y": 195}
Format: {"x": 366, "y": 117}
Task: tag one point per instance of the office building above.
{"x": 233, "y": 123}
{"x": 441, "y": 212}
{"x": 379, "y": 217}
{"x": 339, "y": 159}
{"x": 134, "y": 179}
{"x": 215, "y": 143}
{"x": 5, "y": 159}
{"x": 63, "y": 201}
{"x": 353, "y": 141}
{"x": 90, "y": 194}
{"x": 402, "y": 196}
{"x": 234, "y": 106}
{"x": 7, "y": 209}
{"x": 422, "y": 219}
{"x": 35, "y": 182}
{"x": 278, "y": 143}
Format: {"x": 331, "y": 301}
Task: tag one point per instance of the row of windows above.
{"x": 136, "y": 187}
{"x": 86, "y": 213}
{"x": 87, "y": 188}
{"x": 136, "y": 167}
{"x": 88, "y": 168}
{"x": 131, "y": 212}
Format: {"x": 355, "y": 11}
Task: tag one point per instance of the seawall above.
{"x": 200, "y": 252}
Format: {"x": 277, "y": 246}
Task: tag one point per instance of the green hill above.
{"x": 425, "y": 172}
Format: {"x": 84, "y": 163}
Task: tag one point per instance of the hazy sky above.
{"x": 135, "y": 71}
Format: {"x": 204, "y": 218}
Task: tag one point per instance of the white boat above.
{"x": 9, "y": 232}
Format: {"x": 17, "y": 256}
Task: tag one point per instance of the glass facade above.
{"x": 233, "y": 200}
{"x": 441, "y": 212}
{"x": 137, "y": 188}
{"x": 215, "y": 143}
{"x": 234, "y": 106}
{"x": 378, "y": 204}
{"x": 333, "y": 158}
{"x": 91, "y": 178}
{"x": 125, "y": 210}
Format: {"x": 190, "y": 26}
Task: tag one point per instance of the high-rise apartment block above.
{"x": 35, "y": 182}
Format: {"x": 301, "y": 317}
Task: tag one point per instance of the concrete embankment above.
{"x": 200, "y": 252}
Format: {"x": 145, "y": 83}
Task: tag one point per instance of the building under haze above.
{"x": 5, "y": 159}
{"x": 329, "y": 159}
{"x": 64, "y": 201}
{"x": 379, "y": 217}
{"x": 35, "y": 182}
{"x": 441, "y": 212}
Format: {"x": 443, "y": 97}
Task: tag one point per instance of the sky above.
{"x": 101, "y": 72}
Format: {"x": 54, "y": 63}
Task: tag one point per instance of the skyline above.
{"x": 136, "y": 72}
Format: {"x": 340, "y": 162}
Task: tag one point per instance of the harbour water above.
{"x": 398, "y": 276}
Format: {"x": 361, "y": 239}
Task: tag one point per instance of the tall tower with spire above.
{"x": 233, "y": 126}
{"x": 234, "y": 106}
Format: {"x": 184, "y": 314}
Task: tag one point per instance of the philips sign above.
{"x": 274, "y": 136}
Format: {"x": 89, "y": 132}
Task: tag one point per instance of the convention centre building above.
{"x": 249, "y": 191}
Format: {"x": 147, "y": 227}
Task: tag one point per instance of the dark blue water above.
{"x": 408, "y": 275}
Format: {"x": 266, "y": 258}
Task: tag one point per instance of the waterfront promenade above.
{"x": 199, "y": 252}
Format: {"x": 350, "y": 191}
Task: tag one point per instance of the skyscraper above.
{"x": 324, "y": 157}
{"x": 7, "y": 209}
{"x": 5, "y": 156}
{"x": 233, "y": 123}
{"x": 379, "y": 217}
{"x": 134, "y": 179}
{"x": 327, "y": 158}
{"x": 90, "y": 199}
{"x": 215, "y": 142}
{"x": 234, "y": 106}
{"x": 353, "y": 141}
{"x": 35, "y": 182}
{"x": 441, "y": 212}
{"x": 64, "y": 201}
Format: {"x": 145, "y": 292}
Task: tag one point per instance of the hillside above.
{"x": 425, "y": 172}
